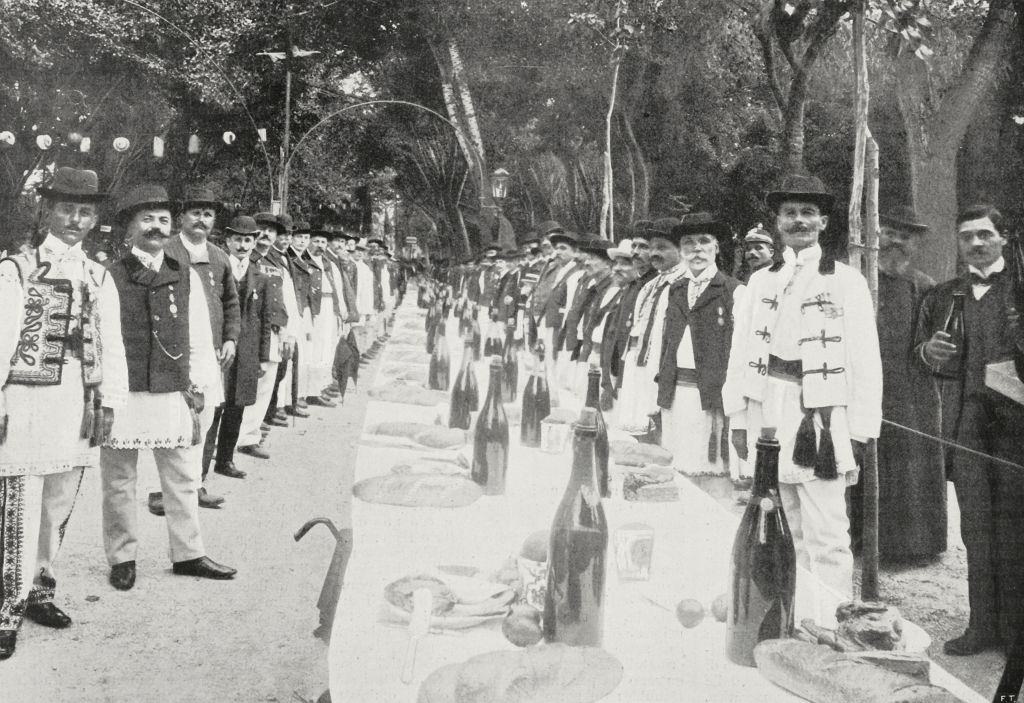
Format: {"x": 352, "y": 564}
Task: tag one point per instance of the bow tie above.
{"x": 977, "y": 280}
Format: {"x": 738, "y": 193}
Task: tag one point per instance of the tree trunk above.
{"x": 643, "y": 170}
{"x": 607, "y": 225}
{"x": 935, "y": 132}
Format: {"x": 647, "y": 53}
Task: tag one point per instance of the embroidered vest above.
{"x": 47, "y": 333}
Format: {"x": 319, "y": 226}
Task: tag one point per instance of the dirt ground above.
{"x": 175, "y": 638}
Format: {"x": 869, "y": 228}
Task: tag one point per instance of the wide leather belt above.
{"x": 784, "y": 369}
{"x": 686, "y": 377}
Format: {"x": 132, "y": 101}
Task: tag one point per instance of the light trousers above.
{"x": 250, "y": 433}
{"x": 179, "y": 471}
{"x": 816, "y": 512}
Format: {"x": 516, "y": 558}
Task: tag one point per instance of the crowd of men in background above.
{"x": 207, "y": 334}
{"x": 705, "y": 363}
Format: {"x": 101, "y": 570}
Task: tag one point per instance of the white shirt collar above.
{"x": 996, "y": 266}
{"x": 148, "y": 260}
{"x": 53, "y": 249}
{"x": 239, "y": 266}
{"x": 706, "y": 275}
{"x": 811, "y": 254}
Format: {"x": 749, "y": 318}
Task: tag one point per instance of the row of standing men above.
{"x": 702, "y": 363}
{"x": 180, "y": 348}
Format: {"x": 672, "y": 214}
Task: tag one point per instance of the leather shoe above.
{"x": 277, "y": 422}
{"x": 280, "y": 414}
{"x": 264, "y": 427}
{"x": 322, "y": 402}
{"x": 208, "y": 500}
{"x": 228, "y": 469}
{"x": 203, "y": 567}
{"x": 302, "y": 403}
{"x": 8, "y": 640}
{"x": 971, "y": 642}
{"x": 122, "y": 576}
{"x": 156, "y": 503}
{"x": 296, "y": 411}
{"x": 254, "y": 450}
{"x": 47, "y": 615}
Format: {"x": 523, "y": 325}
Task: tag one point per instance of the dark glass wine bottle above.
{"x": 465, "y": 397}
{"x": 762, "y": 583}
{"x": 601, "y": 448}
{"x": 574, "y": 601}
{"x": 536, "y": 402}
{"x": 474, "y": 334}
{"x": 1015, "y": 301}
{"x": 439, "y": 371}
{"x": 510, "y": 363}
{"x": 490, "y": 439}
{"x": 954, "y": 327}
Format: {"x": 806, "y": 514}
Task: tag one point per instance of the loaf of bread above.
{"x": 555, "y": 673}
{"x": 819, "y": 674}
{"x": 441, "y": 437}
{"x": 638, "y": 454}
{"x": 408, "y": 430}
{"x": 652, "y": 484}
{"x": 418, "y": 490}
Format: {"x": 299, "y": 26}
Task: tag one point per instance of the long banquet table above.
{"x": 662, "y": 661}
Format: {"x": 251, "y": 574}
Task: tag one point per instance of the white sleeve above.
{"x": 291, "y": 306}
{"x": 114, "y": 360}
{"x": 203, "y": 368}
{"x": 10, "y": 315}
{"x": 734, "y": 401}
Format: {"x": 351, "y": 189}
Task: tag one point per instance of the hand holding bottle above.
{"x": 939, "y": 349}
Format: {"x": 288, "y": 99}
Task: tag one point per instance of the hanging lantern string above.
{"x": 954, "y": 445}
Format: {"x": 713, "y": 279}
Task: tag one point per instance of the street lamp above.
{"x": 499, "y": 184}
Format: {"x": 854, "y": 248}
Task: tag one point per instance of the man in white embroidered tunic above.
{"x": 805, "y": 361}
{"x": 171, "y": 363}
{"x": 60, "y": 343}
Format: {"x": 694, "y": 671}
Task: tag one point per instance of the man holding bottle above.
{"x": 989, "y": 493}
{"x": 805, "y": 361}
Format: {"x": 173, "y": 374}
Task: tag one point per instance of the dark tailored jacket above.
{"x": 554, "y": 312}
{"x": 327, "y": 272}
{"x": 254, "y": 340}
{"x": 306, "y": 277}
{"x": 154, "y": 323}
{"x": 711, "y": 322}
{"x": 586, "y": 290}
{"x": 988, "y": 341}
{"x": 620, "y": 322}
{"x": 543, "y": 289}
{"x": 506, "y": 298}
{"x": 218, "y": 285}
{"x": 489, "y": 292}
{"x": 594, "y": 313}
{"x": 471, "y": 278}
{"x": 273, "y": 267}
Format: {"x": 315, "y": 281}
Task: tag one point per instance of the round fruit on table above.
{"x": 690, "y": 612}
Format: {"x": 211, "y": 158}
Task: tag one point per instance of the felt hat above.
{"x": 624, "y": 250}
{"x": 701, "y": 223}
{"x": 595, "y": 246}
{"x": 301, "y": 227}
{"x": 269, "y": 218}
{"x": 903, "y": 218}
{"x": 548, "y": 226}
{"x": 638, "y": 228}
{"x": 758, "y": 235}
{"x": 195, "y": 196}
{"x": 140, "y": 197}
{"x": 661, "y": 228}
{"x": 286, "y": 221}
{"x": 803, "y": 188}
{"x": 561, "y": 235}
{"x": 242, "y": 224}
{"x": 376, "y": 240}
{"x": 73, "y": 185}
{"x": 490, "y": 251}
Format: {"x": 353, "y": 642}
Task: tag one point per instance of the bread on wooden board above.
{"x": 418, "y": 490}
{"x": 638, "y": 454}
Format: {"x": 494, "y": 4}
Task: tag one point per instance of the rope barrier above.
{"x": 954, "y": 445}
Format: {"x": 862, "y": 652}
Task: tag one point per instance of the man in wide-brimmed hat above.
{"x": 165, "y": 324}
{"x": 804, "y": 366}
{"x": 327, "y": 323}
{"x": 637, "y": 411}
{"x": 198, "y": 210}
{"x": 695, "y": 355}
{"x": 911, "y": 477}
{"x": 551, "y": 299}
{"x": 49, "y": 435}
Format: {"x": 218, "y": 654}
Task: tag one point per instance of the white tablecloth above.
{"x": 662, "y": 661}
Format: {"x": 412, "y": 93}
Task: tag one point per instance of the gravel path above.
{"x": 175, "y": 638}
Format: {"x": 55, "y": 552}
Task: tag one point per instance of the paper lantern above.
{"x": 84, "y": 144}
{"x": 7, "y": 138}
{"x": 193, "y": 144}
{"x": 121, "y": 144}
{"x": 229, "y": 138}
{"x": 158, "y": 147}
{"x": 44, "y": 141}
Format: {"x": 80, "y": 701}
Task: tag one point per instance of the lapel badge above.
{"x": 173, "y": 310}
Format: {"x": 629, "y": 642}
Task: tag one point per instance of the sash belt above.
{"x": 786, "y": 370}
{"x": 686, "y": 377}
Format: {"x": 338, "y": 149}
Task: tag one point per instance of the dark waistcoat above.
{"x": 154, "y": 323}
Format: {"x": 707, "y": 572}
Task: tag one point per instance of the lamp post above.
{"x": 499, "y": 191}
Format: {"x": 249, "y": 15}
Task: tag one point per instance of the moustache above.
{"x": 156, "y": 232}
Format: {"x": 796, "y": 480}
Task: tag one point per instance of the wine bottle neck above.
{"x": 584, "y": 466}
{"x": 593, "y": 390}
{"x": 766, "y": 469}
